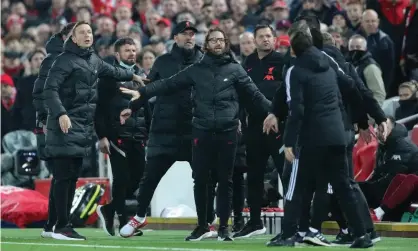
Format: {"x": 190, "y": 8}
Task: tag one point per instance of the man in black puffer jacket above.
{"x": 125, "y": 144}
{"x": 218, "y": 81}
{"x": 53, "y": 47}
{"x": 170, "y": 137}
{"x": 70, "y": 97}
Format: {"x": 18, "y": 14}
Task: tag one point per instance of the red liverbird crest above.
{"x": 269, "y": 75}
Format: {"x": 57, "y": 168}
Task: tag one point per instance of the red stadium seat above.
{"x": 364, "y": 159}
{"x": 414, "y": 135}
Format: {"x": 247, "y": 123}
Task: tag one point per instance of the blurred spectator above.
{"x": 283, "y": 44}
{"x": 163, "y": 29}
{"x": 170, "y": 8}
{"x": 410, "y": 52}
{"x": 247, "y": 45}
{"x": 323, "y": 9}
{"x": 146, "y": 59}
{"x": 282, "y": 27}
{"x": 354, "y": 13}
{"x": 123, "y": 11}
{"x": 341, "y": 21}
{"x": 208, "y": 13}
{"x": 340, "y": 40}
{"x": 24, "y": 113}
{"x": 408, "y": 102}
{"x": 8, "y": 94}
{"x": 381, "y": 47}
{"x": 122, "y": 29}
{"x": 158, "y": 45}
{"x": 185, "y": 16}
{"x": 366, "y": 67}
{"x": 84, "y": 15}
{"x": 219, "y": 7}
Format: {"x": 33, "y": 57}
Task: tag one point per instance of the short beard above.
{"x": 187, "y": 51}
{"x": 127, "y": 62}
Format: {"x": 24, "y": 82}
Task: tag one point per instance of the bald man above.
{"x": 381, "y": 46}
{"x": 366, "y": 67}
{"x": 246, "y": 44}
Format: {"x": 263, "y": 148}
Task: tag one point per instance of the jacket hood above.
{"x": 399, "y": 131}
{"x": 70, "y": 46}
{"x": 336, "y": 54}
{"x": 313, "y": 59}
{"x": 54, "y": 44}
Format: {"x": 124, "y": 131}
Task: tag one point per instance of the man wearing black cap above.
{"x": 170, "y": 132}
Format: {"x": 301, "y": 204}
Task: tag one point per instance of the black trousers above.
{"x": 317, "y": 166}
{"x": 65, "y": 173}
{"x": 324, "y": 198}
{"x": 127, "y": 172}
{"x": 213, "y": 151}
{"x": 238, "y": 193}
{"x": 259, "y": 148}
{"x": 155, "y": 169}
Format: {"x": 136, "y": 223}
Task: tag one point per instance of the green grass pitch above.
{"x": 30, "y": 240}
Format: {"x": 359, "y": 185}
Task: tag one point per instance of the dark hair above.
{"x": 212, "y": 30}
{"x": 77, "y": 25}
{"x": 30, "y": 56}
{"x": 263, "y": 26}
{"x": 206, "y": 5}
{"x": 67, "y": 29}
{"x": 300, "y": 37}
{"x": 85, "y": 8}
{"x": 314, "y": 25}
{"x": 123, "y": 41}
{"x": 141, "y": 55}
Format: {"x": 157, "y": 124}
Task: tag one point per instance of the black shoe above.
{"x": 67, "y": 234}
{"x": 238, "y": 225}
{"x": 343, "y": 239}
{"x": 298, "y": 239}
{"x": 279, "y": 241}
{"x": 362, "y": 242}
{"x": 374, "y": 237}
{"x": 199, "y": 233}
{"x": 223, "y": 234}
{"x": 316, "y": 239}
{"x": 106, "y": 216}
{"x": 250, "y": 230}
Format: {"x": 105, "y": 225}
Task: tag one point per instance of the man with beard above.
{"x": 264, "y": 66}
{"x": 53, "y": 47}
{"x": 125, "y": 144}
{"x": 170, "y": 132}
{"x": 220, "y": 83}
{"x": 70, "y": 97}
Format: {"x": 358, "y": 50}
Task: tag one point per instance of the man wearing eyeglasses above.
{"x": 170, "y": 132}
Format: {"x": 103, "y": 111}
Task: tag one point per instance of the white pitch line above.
{"x": 114, "y": 247}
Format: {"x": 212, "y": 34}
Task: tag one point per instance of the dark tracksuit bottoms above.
{"x": 213, "y": 151}
{"x": 319, "y": 165}
{"x": 127, "y": 172}
{"x": 322, "y": 200}
{"x": 259, "y": 148}
{"x": 155, "y": 169}
{"x": 65, "y": 173}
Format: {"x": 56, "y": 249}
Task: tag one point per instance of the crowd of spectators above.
{"x": 379, "y": 37}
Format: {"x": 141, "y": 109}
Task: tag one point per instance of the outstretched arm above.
{"x": 246, "y": 87}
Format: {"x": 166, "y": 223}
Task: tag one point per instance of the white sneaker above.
{"x": 131, "y": 228}
{"x": 46, "y": 234}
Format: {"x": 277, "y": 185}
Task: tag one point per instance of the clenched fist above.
{"x": 65, "y": 123}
